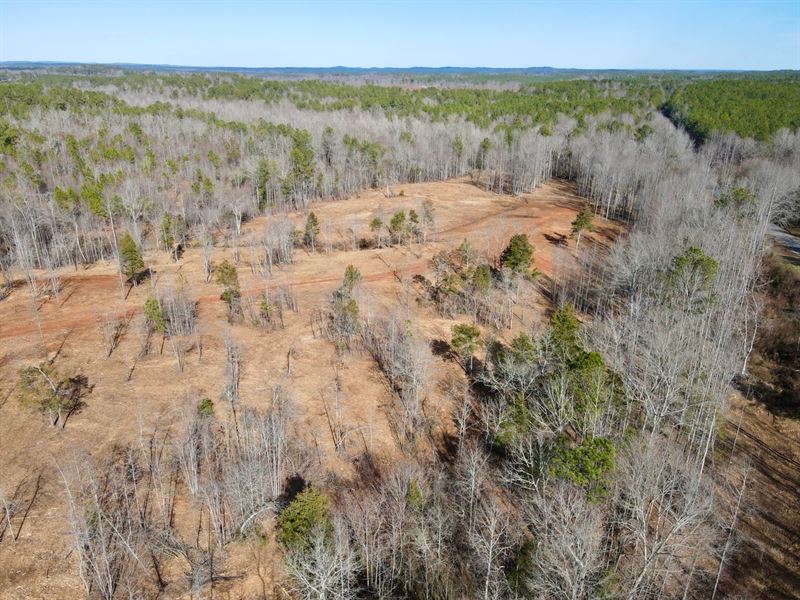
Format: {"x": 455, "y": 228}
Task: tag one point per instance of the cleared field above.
{"x": 131, "y": 393}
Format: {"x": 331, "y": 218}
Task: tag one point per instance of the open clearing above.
{"x": 130, "y": 394}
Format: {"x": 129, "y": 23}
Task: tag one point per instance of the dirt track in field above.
{"x": 85, "y": 292}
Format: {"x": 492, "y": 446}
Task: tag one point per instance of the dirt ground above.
{"x": 766, "y": 558}
{"x": 131, "y": 394}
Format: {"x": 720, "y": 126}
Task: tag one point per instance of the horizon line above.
{"x": 55, "y": 63}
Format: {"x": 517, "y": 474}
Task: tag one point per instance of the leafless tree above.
{"x": 325, "y": 570}
{"x": 233, "y": 365}
{"x": 492, "y": 539}
{"x": 568, "y": 531}
{"x": 112, "y": 329}
{"x": 662, "y": 506}
{"x": 104, "y": 520}
{"x": 9, "y": 512}
{"x": 405, "y": 358}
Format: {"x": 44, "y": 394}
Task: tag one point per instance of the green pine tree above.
{"x": 582, "y": 222}
{"x": 465, "y": 341}
{"x": 311, "y": 231}
{"x": 130, "y": 257}
{"x": 518, "y": 255}
{"x": 307, "y": 514}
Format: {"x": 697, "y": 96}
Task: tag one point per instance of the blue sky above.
{"x": 623, "y": 34}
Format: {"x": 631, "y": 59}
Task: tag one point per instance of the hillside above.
{"x": 484, "y": 335}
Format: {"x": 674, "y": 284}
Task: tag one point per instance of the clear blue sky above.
{"x": 623, "y": 34}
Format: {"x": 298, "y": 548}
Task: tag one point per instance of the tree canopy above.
{"x": 518, "y": 255}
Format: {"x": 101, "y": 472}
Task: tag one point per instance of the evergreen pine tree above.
{"x": 130, "y": 257}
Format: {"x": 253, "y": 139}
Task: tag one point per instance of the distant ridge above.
{"x": 290, "y": 70}
{"x": 344, "y": 70}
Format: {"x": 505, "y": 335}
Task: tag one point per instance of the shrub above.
{"x": 227, "y": 276}
{"x": 414, "y": 498}
{"x": 47, "y": 391}
{"x": 153, "y": 316}
{"x": 205, "y": 408}
{"x": 482, "y": 278}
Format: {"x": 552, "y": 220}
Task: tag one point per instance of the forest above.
{"x": 397, "y": 336}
